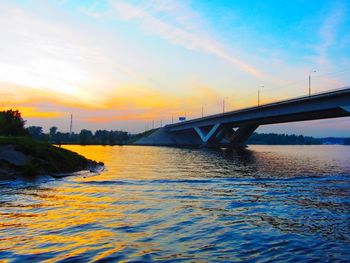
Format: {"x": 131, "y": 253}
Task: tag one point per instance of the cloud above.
{"x": 177, "y": 32}
{"x": 34, "y": 112}
{"x": 20, "y": 95}
{"x": 328, "y": 33}
{"x": 124, "y": 103}
{"x": 58, "y": 55}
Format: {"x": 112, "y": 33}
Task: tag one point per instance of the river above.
{"x": 265, "y": 203}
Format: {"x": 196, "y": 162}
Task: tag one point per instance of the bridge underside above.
{"x": 227, "y": 135}
{"x": 233, "y": 135}
{"x": 224, "y": 135}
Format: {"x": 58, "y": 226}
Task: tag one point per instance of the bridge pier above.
{"x": 220, "y": 135}
{"x": 241, "y": 135}
{"x": 209, "y": 137}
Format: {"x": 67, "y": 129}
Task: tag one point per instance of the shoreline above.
{"x": 28, "y": 158}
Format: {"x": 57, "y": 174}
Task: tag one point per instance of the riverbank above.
{"x": 23, "y": 156}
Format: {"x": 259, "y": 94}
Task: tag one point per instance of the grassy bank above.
{"x": 23, "y": 155}
{"x": 139, "y": 136}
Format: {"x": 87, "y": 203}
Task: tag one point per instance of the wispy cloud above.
{"x": 177, "y": 31}
{"x": 328, "y": 33}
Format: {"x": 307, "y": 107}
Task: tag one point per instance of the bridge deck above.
{"x": 319, "y": 106}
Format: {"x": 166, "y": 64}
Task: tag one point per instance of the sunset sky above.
{"x": 123, "y": 64}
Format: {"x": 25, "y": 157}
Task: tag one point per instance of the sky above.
{"x": 124, "y": 65}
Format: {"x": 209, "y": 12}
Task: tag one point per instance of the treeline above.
{"x": 85, "y": 137}
{"x": 347, "y": 141}
{"x": 12, "y": 124}
{"x": 282, "y": 139}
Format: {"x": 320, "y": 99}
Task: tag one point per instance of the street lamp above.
{"x": 312, "y": 71}
{"x": 223, "y": 104}
{"x": 259, "y": 94}
{"x": 202, "y": 111}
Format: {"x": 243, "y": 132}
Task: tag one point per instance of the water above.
{"x": 268, "y": 203}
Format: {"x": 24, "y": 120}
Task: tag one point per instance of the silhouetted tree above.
{"x": 11, "y": 123}
{"x": 85, "y": 137}
{"x": 282, "y": 139}
{"x": 347, "y": 141}
{"x": 58, "y": 138}
{"x": 35, "y": 131}
{"x": 112, "y": 139}
{"x": 53, "y": 131}
{"x": 102, "y": 136}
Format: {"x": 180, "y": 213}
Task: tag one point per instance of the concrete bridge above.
{"x": 232, "y": 129}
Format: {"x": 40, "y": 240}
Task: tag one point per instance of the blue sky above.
{"x": 123, "y": 64}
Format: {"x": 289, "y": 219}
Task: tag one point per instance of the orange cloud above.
{"x": 13, "y": 94}
{"x": 120, "y": 104}
{"x": 33, "y": 112}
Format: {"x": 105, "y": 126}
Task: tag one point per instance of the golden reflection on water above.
{"x": 69, "y": 206}
{"x": 146, "y": 161}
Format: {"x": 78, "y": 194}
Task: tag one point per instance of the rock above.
{"x": 23, "y": 156}
{"x": 10, "y": 155}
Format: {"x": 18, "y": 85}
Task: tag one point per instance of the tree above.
{"x": 35, "y": 131}
{"x": 11, "y": 123}
{"x": 112, "y": 138}
{"x": 102, "y": 136}
{"x": 85, "y": 137}
{"x": 53, "y": 131}
{"x": 58, "y": 138}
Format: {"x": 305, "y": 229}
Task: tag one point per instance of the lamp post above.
{"x": 224, "y": 104}
{"x": 312, "y": 71}
{"x": 203, "y": 106}
{"x": 259, "y": 94}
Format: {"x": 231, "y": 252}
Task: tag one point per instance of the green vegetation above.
{"x": 45, "y": 158}
{"x": 347, "y": 141}
{"x": 11, "y": 123}
{"x": 136, "y": 137}
{"x": 282, "y": 139}
{"x": 87, "y": 137}
{"x": 36, "y": 132}
{"x": 21, "y": 152}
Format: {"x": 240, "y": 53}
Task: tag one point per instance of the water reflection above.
{"x": 263, "y": 203}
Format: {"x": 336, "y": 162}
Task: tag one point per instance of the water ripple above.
{"x": 287, "y": 204}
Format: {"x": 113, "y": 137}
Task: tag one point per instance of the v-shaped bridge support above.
{"x": 220, "y": 135}
{"x": 208, "y": 136}
{"x": 347, "y": 108}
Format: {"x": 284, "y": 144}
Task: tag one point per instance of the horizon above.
{"x": 121, "y": 65}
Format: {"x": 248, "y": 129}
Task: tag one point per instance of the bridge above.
{"x": 232, "y": 129}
